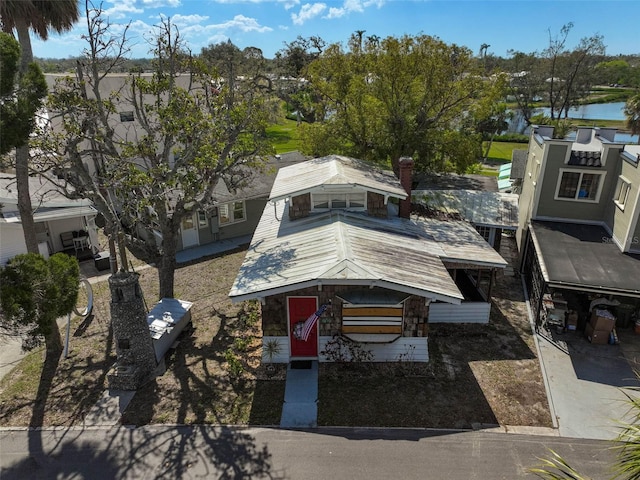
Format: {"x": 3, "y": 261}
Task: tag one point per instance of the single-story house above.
{"x": 337, "y": 239}
{"x": 62, "y": 225}
{"x": 236, "y": 213}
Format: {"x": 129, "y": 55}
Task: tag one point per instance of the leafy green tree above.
{"x": 34, "y": 292}
{"x": 632, "y": 112}
{"x": 187, "y": 134}
{"x": 40, "y": 16}
{"x": 391, "y": 99}
{"x": 296, "y": 56}
{"x": 527, "y": 82}
{"x": 569, "y": 72}
{"x": 21, "y": 96}
{"x": 612, "y": 72}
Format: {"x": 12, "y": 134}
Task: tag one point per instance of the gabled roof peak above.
{"x": 334, "y": 171}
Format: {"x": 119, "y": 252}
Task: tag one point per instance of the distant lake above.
{"x": 593, "y": 111}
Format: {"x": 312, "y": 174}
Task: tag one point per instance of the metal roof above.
{"x": 491, "y": 209}
{"x": 584, "y": 257}
{"x": 461, "y": 243}
{"x": 334, "y": 171}
{"x": 48, "y": 214}
{"x": 42, "y": 191}
{"x": 341, "y": 248}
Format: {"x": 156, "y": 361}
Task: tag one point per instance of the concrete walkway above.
{"x": 10, "y": 354}
{"x": 586, "y": 387}
{"x": 300, "y": 408}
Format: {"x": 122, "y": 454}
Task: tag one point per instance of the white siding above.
{"x": 407, "y": 349}
{"x": 466, "y": 312}
{"x": 11, "y": 242}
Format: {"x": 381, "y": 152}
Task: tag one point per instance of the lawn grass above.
{"x": 500, "y": 153}
{"x": 476, "y": 375}
{"x": 284, "y": 136}
{"x": 198, "y": 386}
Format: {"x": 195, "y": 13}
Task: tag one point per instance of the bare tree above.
{"x": 186, "y": 135}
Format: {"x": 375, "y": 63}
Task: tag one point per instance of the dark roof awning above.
{"x": 579, "y": 256}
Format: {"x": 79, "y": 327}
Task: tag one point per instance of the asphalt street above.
{"x": 165, "y": 452}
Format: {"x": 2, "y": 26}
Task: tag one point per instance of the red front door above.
{"x": 301, "y": 308}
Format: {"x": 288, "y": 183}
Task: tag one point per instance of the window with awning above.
{"x": 374, "y": 315}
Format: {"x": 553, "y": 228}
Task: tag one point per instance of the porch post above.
{"x": 491, "y": 278}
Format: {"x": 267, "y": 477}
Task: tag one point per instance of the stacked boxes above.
{"x": 600, "y": 326}
{"x": 572, "y": 320}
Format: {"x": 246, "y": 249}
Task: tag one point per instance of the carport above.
{"x": 583, "y": 262}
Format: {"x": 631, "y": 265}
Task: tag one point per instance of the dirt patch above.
{"x": 478, "y": 374}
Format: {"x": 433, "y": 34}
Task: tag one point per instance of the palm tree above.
{"x": 483, "y": 54}
{"x": 39, "y": 16}
{"x": 627, "y": 445}
{"x": 632, "y": 111}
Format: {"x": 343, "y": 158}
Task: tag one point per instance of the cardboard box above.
{"x": 572, "y": 320}
{"x": 599, "y": 337}
{"x": 602, "y": 322}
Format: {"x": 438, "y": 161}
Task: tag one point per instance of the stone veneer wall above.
{"x": 375, "y": 205}
{"x": 274, "y": 312}
{"x": 136, "y": 358}
{"x": 300, "y": 206}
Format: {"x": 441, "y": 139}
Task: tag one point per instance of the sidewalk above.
{"x": 300, "y": 408}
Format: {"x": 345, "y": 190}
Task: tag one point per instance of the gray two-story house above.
{"x": 578, "y": 227}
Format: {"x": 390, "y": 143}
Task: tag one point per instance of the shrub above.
{"x": 341, "y": 349}
{"x": 512, "y": 137}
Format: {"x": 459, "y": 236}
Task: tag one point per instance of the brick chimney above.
{"x": 406, "y": 175}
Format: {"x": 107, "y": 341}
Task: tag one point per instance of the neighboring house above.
{"x": 490, "y": 213}
{"x": 472, "y": 198}
{"x": 579, "y": 233}
{"x": 333, "y": 235}
{"x": 62, "y": 225}
{"x": 235, "y": 214}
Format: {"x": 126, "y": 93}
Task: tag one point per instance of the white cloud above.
{"x": 185, "y": 20}
{"x": 352, "y": 6}
{"x": 289, "y": 4}
{"x": 244, "y": 24}
{"x": 307, "y": 12}
{"x": 217, "y": 38}
{"x": 161, "y": 3}
{"x": 122, "y": 9}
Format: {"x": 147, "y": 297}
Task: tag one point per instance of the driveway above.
{"x": 586, "y": 387}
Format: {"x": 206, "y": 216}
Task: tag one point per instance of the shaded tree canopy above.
{"x": 401, "y": 96}
{"x": 40, "y": 16}
{"x": 632, "y": 112}
{"x": 21, "y": 96}
{"x": 34, "y": 292}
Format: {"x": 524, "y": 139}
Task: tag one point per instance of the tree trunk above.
{"x": 167, "y": 267}
{"x": 53, "y": 341}
{"x": 22, "y": 153}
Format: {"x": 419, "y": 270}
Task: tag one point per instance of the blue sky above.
{"x": 268, "y": 24}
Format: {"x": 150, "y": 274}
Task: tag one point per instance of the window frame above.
{"x": 623, "y": 185}
{"x": 581, "y": 173}
{"x": 127, "y": 116}
{"x": 230, "y": 207}
{"x": 203, "y": 220}
{"x": 348, "y": 200}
